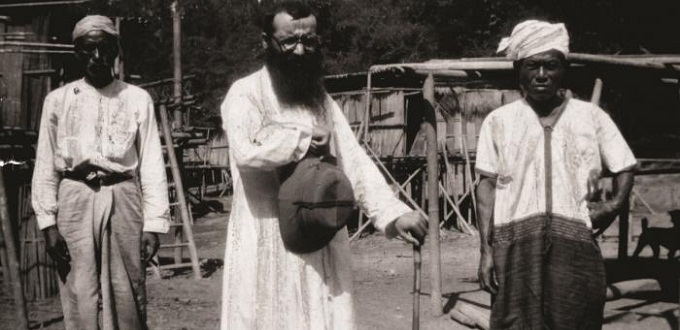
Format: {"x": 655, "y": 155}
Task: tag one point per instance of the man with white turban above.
{"x": 539, "y": 159}
{"x": 99, "y": 187}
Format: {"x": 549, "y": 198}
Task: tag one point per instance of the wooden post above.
{"x": 624, "y": 218}
{"x": 10, "y": 248}
{"x": 367, "y": 114}
{"x": 177, "y": 61}
{"x": 119, "y": 60}
{"x": 179, "y": 190}
{"x": 597, "y": 92}
{"x": 429, "y": 127}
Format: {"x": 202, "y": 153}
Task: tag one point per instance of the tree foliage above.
{"x": 221, "y": 38}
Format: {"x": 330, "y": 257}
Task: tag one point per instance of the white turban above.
{"x": 94, "y": 23}
{"x": 532, "y": 37}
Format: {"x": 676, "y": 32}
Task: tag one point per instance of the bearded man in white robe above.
{"x": 273, "y": 118}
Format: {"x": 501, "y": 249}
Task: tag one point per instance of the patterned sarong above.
{"x": 551, "y": 276}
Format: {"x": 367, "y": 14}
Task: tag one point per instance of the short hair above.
{"x": 296, "y": 9}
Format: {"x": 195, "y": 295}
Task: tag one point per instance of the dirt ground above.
{"x": 383, "y": 278}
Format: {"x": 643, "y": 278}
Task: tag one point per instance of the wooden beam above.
{"x": 42, "y": 3}
{"x": 177, "y": 61}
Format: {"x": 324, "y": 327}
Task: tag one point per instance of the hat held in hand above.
{"x": 315, "y": 201}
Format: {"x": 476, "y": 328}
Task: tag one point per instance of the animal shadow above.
{"x": 669, "y": 238}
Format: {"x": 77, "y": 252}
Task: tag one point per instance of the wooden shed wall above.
{"x": 25, "y": 91}
{"x": 387, "y": 130}
{"x": 464, "y": 110}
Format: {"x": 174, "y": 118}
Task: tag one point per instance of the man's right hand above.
{"x": 487, "y": 274}
{"x": 56, "y": 245}
{"x": 320, "y": 137}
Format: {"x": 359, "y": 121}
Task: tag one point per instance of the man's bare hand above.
{"x": 150, "y": 244}
{"x": 410, "y": 227}
{"x": 602, "y": 214}
{"x": 56, "y": 245}
{"x": 320, "y": 137}
{"x": 487, "y": 274}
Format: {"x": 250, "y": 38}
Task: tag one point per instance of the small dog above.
{"x": 669, "y": 238}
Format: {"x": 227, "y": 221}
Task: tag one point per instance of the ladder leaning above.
{"x": 182, "y": 228}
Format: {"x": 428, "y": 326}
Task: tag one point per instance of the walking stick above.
{"x": 417, "y": 262}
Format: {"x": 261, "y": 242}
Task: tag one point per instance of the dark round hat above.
{"x": 315, "y": 201}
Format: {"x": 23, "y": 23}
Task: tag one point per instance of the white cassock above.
{"x": 265, "y": 286}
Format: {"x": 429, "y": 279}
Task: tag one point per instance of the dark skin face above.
{"x": 541, "y": 78}
{"x": 96, "y": 51}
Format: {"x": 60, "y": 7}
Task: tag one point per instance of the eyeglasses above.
{"x": 308, "y": 41}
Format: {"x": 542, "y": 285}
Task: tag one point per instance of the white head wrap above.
{"x": 532, "y": 37}
{"x": 94, "y": 23}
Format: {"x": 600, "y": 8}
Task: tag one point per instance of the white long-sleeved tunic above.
{"x": 113, "y": 128}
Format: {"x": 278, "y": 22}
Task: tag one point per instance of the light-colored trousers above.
{"x": 102, "y": 227}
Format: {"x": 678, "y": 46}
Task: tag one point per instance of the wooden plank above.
{"x": 11, "y": 65}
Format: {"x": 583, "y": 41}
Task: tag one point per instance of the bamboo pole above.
{"x": 403, "y": 192}
{"x": 367, "y": 114}
{"x": 644, "y": 202}
{"x": 429, "y": 126}
{"x": 471, "y": 184}
{"x": 363, "y": 226}
{"x": 42, "y": 3}
{"x": 10, "y": 248}
{"x": 360, "y": 230}
{"x": 450, "y": 66}
{"x": 651, "y": 62}
{"x": 35, "y": 44}
{"x": 464, "y": 226}
{"x": 177, "y": 61}
{"x": 597, "y": 92}
{"x": 446, "y": 65}
{"x": 119, "y": 65}
{"x": 36, "y": 51}
{"x": 179, "y": 190}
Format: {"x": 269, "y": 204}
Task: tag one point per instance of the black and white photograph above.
{"x": 339, "y": 164}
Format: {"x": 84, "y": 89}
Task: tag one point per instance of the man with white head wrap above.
{"x": 99, "y": 187}
{"x": 539, "y": 159}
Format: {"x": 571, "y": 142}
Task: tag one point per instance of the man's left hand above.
{"x": 411, "y": 227}
{"x": 150, "y": 244}
{"x": 602, "y": 214}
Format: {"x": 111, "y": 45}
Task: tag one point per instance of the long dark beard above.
{"x": 297, "y": 80}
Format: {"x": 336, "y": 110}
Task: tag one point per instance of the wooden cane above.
{"x": 417, "y": 262}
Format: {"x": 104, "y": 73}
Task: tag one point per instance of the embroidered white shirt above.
{"x": 511, "y": 148}
{"x": 113, "y": 128}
